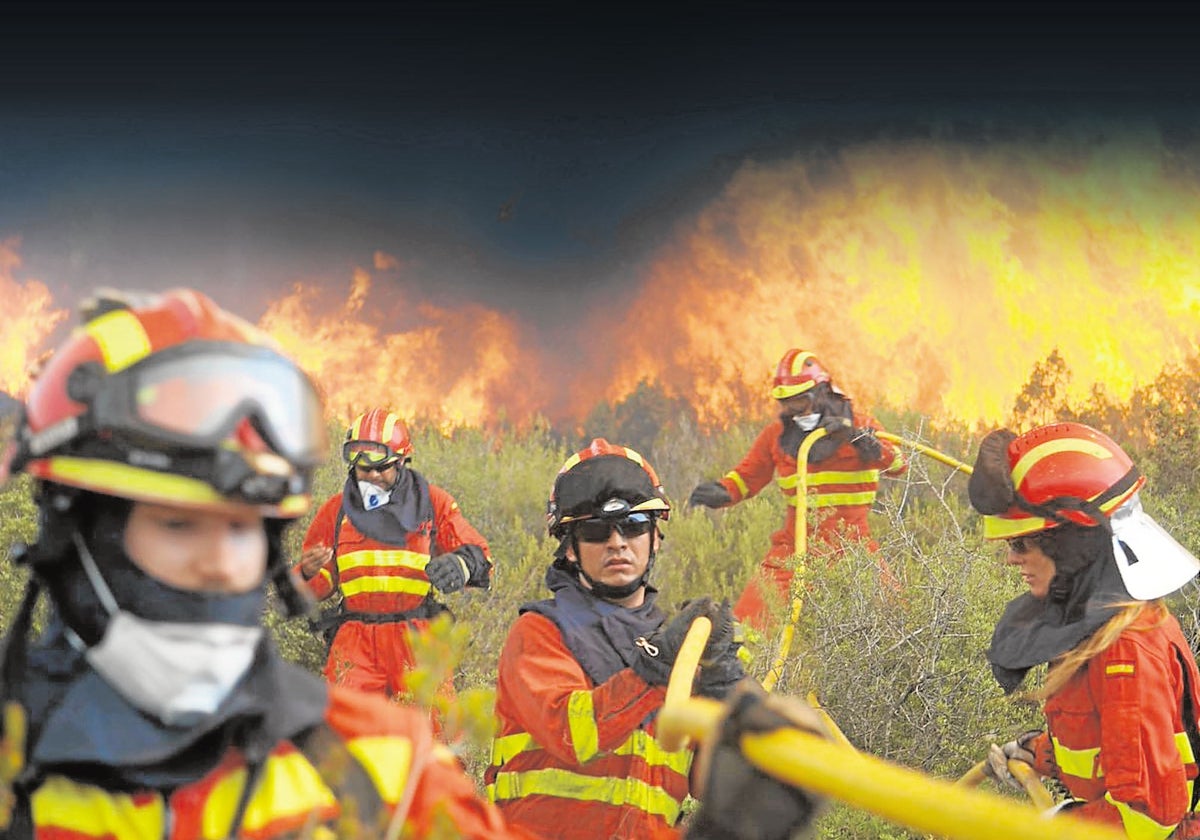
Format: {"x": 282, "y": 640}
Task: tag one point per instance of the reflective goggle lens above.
{"x": 198, "y": 397}
{"x": 367, "y": 453}
{"x": 598, "y": 530}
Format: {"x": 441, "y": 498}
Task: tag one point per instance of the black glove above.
{"x": 740, "y": 802}
{"x": 720, "y": 666}
{"x": 710, "y": 494}
{"x": 655, "y": 655}
{"x": 834, "y": 424}
{"x": 866, "y": 444}
{"x": 447, "y": 572}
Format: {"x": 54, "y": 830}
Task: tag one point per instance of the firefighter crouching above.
{"x": 1122, "y": 692}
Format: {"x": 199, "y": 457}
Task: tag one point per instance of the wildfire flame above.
{"x": 29, "y": 317}
{"x": 929, "y": 276}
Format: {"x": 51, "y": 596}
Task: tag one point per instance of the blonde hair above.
{"x": 1062, "y": 669}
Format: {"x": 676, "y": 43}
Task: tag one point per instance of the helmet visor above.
{"x": 368, "y": 453}
{"x": 194, "y": 395}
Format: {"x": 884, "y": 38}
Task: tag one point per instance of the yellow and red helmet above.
{"x": 170, "y": 399}
{"x": 798, "y": 371}
{"x": 1051, "y": 475}
{"x": 377, "y": 438}
{"x": 593, "y": 477}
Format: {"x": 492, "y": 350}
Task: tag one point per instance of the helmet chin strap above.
{"x": 607, "y": 591}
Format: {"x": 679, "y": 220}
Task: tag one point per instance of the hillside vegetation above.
{"x": 903, "y": 674}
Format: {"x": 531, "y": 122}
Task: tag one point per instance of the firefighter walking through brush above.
{"x": 170, "y": 446}
{"x": 842, "y": 476}
{"x": 582, "y": 675}
{"x": 386, "y": 546}
{"x": 1122, "y": 691}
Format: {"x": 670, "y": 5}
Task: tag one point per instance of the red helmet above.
{"x": 798, "y": 371}
{"x": 1064, "y": 472}
{"x": 377, "y": 438}
{"x": 170, "y": 399}
{"x": 594, "y": 476}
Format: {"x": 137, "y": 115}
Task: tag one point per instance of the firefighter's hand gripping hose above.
{"x": 797, "y": 756}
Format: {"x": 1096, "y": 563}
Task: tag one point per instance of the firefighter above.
{"x": 385, "y": 546}
{"x": 169, "y": 446}
{"x": 582, "y": 674}
{"x": 1122, "y": 691}
{"x": 842, "y": 477}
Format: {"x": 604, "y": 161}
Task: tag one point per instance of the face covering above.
{"x": 177, "y": 671}
{"x": 372, "y": 496}
{"x": 807, "y": 422}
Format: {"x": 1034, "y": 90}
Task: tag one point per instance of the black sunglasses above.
{"x": 599, "y": 530}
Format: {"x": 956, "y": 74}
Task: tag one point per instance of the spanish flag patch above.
{"x": 1118, "y": 669}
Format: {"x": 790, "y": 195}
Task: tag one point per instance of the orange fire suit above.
{"x": 575, "y": 760}
{"x": 841, "y": 490}
{"x": 385, "y": 592}
{"x": 370, "y": 759}
{"x": 1116, "y": 733}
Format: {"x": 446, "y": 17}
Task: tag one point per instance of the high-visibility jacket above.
{"x": 841, "y": 488}
{"x": 576, "y": 760}
{"x": 385, "y": 592}
{"x": 1115, "y": 733}
{"x": 371, "y": 759}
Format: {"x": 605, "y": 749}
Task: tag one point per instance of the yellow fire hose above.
{"x": 926, "y": 450}
{"x": 683, "y": 673}
{"x": 904, "y": 796}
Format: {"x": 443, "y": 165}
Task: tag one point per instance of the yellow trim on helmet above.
{"x": 1003, "y": 527}
{"x": 1052, "y": 447}
{"x": 116, "y": 479}
{"x": 121, "y": 337}
{"x": 782, "y": 392}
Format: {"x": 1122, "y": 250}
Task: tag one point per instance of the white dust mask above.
{"x": 372, "y": 496}
{"x": 807, "y": 422}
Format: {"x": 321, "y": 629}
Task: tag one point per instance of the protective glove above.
{"x": 866, "y": 444}
{"x": 996, "y": 765}
{"x": 710, "y": 494}
{"x": 655, "y": 655}
{"x": 448, "y": 572}
{"x": 721, "y": 666}
{"x": 740, "y": 802}
{"x": 833, "y": 424}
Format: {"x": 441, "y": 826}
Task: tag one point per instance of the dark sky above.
{"x": 515, "y": 153}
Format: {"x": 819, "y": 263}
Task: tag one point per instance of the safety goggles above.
{"x": 194, "y": 395}
{"x": 368, "y": 453}
{"x": 599, "y": 530}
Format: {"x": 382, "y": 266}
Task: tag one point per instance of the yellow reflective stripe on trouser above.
{"x": 581, "y": 717}
{"x": 89, "y": 811}
{"x": 566, "y": 784}
{"x": 1137, "y": 825}
{"x": 737, "y": 479}
{"x": 640, "y": 743}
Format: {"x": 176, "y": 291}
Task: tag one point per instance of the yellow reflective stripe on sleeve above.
{"x": 824, "y": 477}
{"x": 737, "y": 479}
{"x": 1185, "y": 748}
{"x": 585, "y": 737}
{"x": 290, "y": 787}
{"x": 1118, "y": 668}
{"x": 388, "y": 761}
{"x": 1079, "y": 763}
{"x": 121, "y": 337}
{"x": 69, "y": 806}
{"x": 568, "y": 785}
{"x": 387, "y": 558}
{"x": 1137, "y": 825}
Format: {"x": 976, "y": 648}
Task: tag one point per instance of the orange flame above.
{"x": 29, "y": 318}
{"x": 930, "y": 276}
{"x": 451, "y": 366}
